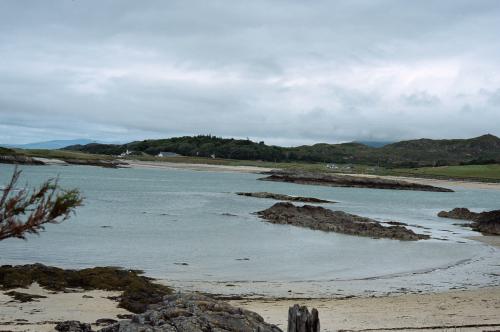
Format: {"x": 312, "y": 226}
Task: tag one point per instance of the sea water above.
{"x": 189, "y": 228}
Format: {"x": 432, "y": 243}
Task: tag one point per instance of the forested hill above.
{"x": 412, "y": 153}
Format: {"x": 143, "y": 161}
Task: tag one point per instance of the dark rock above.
{"x": 338, "y": 180}
{"x": 319, "y": 218}
{"x": 487, "y": 222}
{"x": 194, "y": 313}
{"x": 300, "y": 320}
{"x": 73, "y": 326}
{"x": 105, "y": 321}
{"x": 282, "y": 197}
{"x": 459, "y": 213}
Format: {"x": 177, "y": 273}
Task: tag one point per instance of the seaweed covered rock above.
{"x": 186, "y": 312}
{"x": 138, "y": 291}
{"x": 319, "y": 218}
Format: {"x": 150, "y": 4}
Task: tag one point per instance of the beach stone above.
{"x": 191, "y": 312}
{"x": 73, "y": 326}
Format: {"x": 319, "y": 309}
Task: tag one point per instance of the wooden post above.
{"x": 300, "y": 320}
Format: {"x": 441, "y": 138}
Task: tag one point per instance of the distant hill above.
{"x": 51, "y": 145}
{"x": 412, "y": 153}
{"x": 375, "y": 144}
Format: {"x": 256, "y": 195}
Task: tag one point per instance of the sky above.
{"x": 286, "y": 72}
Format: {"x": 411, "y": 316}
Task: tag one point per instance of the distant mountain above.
{"x": 50, "y": 145}
{"x": 412, "y": 153}
{"x": 375, "y": 144}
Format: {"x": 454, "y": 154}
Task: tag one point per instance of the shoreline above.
{"x": 195, "y": 167}
{"x": 258, "y": 170}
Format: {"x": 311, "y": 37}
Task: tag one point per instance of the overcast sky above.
{"x": 286, "y": 72}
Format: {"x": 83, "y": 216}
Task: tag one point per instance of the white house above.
{"x": 167, "y": 154}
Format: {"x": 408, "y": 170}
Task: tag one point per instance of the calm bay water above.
{"x": 161, "y": 218}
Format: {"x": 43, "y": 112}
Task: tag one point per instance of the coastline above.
{"x": 257, "y": 170}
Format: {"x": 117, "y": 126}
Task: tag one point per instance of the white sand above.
{"x": 401, "y": 313}
{"x": 42, "y": 315}
{"x": 196, "y": 167}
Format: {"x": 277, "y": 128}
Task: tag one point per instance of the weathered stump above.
{"x": 300, "y": 320}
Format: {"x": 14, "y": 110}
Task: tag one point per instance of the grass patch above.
{"x": 489, "y": 172}
{"x": 138, "y": 291}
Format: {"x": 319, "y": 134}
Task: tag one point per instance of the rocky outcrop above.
{"x": 319, "y": 218}
{"x": 459, "y": 213}
{"x": 340, "y": 180}
{"x": 281, "y": 197}
{"x": 193, "y": 313}
{"x": 487, "y": 222}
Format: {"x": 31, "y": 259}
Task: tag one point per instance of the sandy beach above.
{"x": 196, "y": 167}
{"x": 471, "y": 310}
{"x": 42, "y": 315}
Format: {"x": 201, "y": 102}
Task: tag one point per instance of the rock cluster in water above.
{"x": 487, "y": 222}
{"x": 340, "y": 180}
{"x": 319, "y": 218}
{"x": 282, "y": 197}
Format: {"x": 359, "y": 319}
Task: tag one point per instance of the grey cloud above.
{"x": 289, "y": 72}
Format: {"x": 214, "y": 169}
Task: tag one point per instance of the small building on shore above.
{"x": 167, "y": 154}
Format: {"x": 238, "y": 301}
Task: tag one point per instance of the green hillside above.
{"x": 413, "y": 153}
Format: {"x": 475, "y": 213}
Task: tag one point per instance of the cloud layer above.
{"x": 287, "y": 72}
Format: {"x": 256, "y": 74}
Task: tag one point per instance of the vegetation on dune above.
{"x": 414, "y": 153}
{"x": 138, "y": 291}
